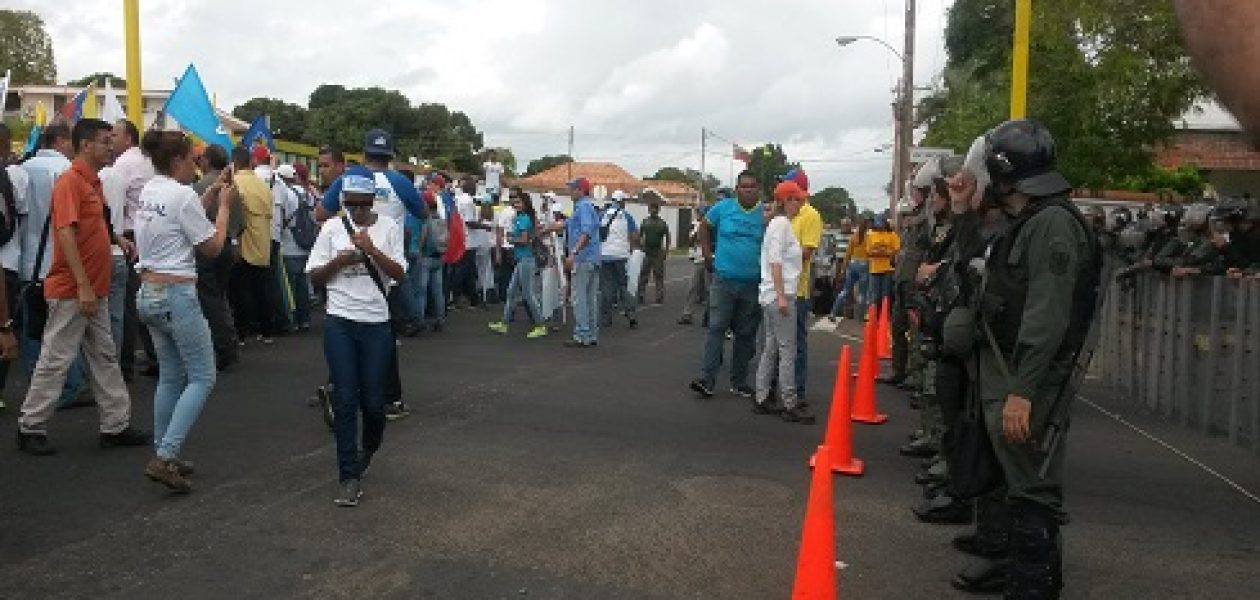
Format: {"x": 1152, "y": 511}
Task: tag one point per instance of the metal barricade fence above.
{"x": 1187, "y": 349}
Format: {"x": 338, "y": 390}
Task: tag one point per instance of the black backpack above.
{"x": 302, "y": 223}
{"x": 8, "y": 221}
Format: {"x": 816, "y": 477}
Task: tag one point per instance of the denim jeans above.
{"x": 880, "y": 288}
{"x": 802, "y": 344}
{"x": 185, "y": 353}
{"x": 359, "y": 357}
{"x": 613, "y": 290}
{"x": 585, "y": 293}
{"x": 300, "y": 287}
{"x": 521, "y": 288}
{"x": 118, "y": 299}
{"x": 854, "y": 283}
{"x": 424, "y": 281}
{"x": 732, "y": 305}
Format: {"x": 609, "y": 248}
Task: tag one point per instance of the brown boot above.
{"x": 167, "y": 473}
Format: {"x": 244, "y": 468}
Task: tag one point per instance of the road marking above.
{"x": 1190, "y": 459}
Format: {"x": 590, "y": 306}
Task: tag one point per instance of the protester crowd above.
{"x": 118, "y": 245}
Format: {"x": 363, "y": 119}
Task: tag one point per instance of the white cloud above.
{"x": 637, "y": 80}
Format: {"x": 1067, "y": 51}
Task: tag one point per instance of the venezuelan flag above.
{"x": 82, "y": 105}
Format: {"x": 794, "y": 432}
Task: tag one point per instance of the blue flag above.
{"x": 190, "y": 105}
{"x": 32, "y": 140}
{"x": 258, "y": 131}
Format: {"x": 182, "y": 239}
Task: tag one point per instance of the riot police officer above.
{"x": 1036, "y": 300}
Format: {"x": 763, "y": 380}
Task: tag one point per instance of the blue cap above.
{"x": 880, "y": 220}
{"x": 357, "y": 184}
{"x": 378, "y": 142}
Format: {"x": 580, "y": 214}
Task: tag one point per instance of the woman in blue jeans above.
{"x": 356, "y": 257}
{"x": 423, "y": 285}
{"x": 170, "y": 226}
{"x": 855, "y": 273}
{"x": 521, "y": 287}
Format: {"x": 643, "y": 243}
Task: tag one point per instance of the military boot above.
{"x": 1036, "y": 554}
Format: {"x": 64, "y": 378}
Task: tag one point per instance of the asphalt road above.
{"x": 532, "y": 470}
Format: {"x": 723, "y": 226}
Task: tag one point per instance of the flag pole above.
{"x": 131, "y": 30}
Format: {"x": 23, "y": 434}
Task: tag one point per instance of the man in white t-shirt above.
{"x": 620, "y": 235}
{"x": 476, "y": 234}
{"x": 280, "y": 197}
{"x": 494, "y": 175}
{"x": 298, "y": 200}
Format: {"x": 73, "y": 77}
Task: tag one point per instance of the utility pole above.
{"x": 570, "y": 153}
{"x": 703, "y": 135}
{"x": 905, "y": 114}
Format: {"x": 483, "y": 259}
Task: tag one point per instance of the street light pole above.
{"x": 903, "y": 105}
{"x": 906, "y": 117}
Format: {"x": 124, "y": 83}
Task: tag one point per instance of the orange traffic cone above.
{"x": 883, "y": 332}
{"x": 816, "y": 564}
{"x": 839, "y": 428}
{"x": 868, "y": 367}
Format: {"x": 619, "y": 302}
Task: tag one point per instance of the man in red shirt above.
{"x": 78, "y": 315}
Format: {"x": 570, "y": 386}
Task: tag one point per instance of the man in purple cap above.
{"x": 582, "y": 235}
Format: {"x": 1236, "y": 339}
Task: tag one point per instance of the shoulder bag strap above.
{"x": 367, "y": 260}
{"x": 43, "y": 243}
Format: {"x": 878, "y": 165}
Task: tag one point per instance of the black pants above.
{"x": 213, "y": 278}
{"x": 11, "y": 287}
{"x": 503, "y": 273}
{"x": 132, "y": 329}
{"x": 256, "y": 296}
{"x": 464, "y": 277}
{"x": 900, "y": 326}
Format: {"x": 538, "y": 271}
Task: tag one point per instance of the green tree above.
{"x": 100, "y": 78}
{"x": 834, "y": 204}
{"x": 504, "y": 155}
{"x": 1107, "y": 80}
{"x": 26, "y": 49}
{"x": 770, "y": 163}
{"x": 288, "y": 121}
{"x": 538, "y": 165}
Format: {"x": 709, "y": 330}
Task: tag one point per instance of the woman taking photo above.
{"x": 521, "y": 286}
{"x": 853, "y": 274}
{"x": 356, "y": 257}
{"x": 171, "y": 224}
{"x": 780, "y": 274}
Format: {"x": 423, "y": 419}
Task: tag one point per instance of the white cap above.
{"x": 286, "y": 171}
{"x": 619, "y": 196}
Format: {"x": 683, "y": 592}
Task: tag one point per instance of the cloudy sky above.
{"x": 638, "y": 79}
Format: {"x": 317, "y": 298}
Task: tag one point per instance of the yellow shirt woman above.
{"x": 881, "y": 247}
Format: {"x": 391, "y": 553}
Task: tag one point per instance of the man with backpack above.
{"x": 426, "y": 245}
{"x": 297, "y": 235}
{"x": 618, "y": 235}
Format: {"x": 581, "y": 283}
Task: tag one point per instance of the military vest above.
{"x": 1006, "y": 287}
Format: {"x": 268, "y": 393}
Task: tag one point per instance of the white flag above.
{"x": 111, "y": 110}
{"x": 4, "y": 89}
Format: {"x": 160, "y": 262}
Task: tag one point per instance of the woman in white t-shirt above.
{"x": 780, "y": 272}
{"x": 171, "y": 225}
{"x": 357, "y": 269}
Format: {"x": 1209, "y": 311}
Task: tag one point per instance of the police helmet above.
{"x": 1169, "y": 215}
{"x": 1132, "y": 237}
{"x": 1230, "y": 210}
{"x": 1196, "y": 216}
{"x": 1120, "y": 218}
{"x": 1021, "y": 156}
